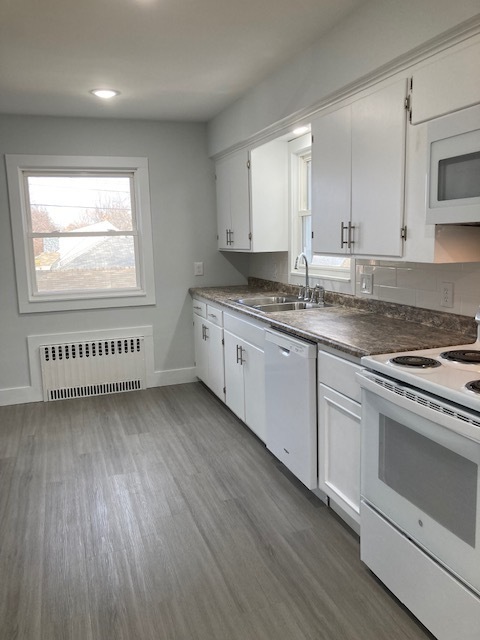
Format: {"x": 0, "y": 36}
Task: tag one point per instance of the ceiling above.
{"x": 170, "y": 59}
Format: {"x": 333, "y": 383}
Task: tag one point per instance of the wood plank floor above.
{"x": 158, "y": 515}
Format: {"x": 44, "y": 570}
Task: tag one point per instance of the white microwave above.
{"x": 453, "y": 170}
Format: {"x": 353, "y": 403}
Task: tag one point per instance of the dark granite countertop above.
{"x": 352, "y": 325}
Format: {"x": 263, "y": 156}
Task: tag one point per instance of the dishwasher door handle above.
{"x": 284, "y": 351}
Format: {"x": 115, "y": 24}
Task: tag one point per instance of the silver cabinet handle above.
{"x": 343, "y": 228}
{"x": 231, "y": 236}
{"x": 212, "y": 315}
{"x": 226, "y": 233}
{"x": 197, "y": 307}
{"x": 351, "y": 241}
{"x": 240, "y": 351}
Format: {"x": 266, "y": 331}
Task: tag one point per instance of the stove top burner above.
{"x": 417, "y": 362}
{"x": 474, "y": 386}
{"x": 465, "y": 356}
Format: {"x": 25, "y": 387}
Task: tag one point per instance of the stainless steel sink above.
{"x": 261, "y": 300}
{"x": 270, "y": 304}
{"x": 289, "y": 306}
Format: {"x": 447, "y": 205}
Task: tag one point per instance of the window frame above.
{"x": 29, "y": 300}
{"x": 300, "y": 150}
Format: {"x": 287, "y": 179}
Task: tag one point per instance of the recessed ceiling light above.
{"x": 105, "y": 94}
{"x": 300, "y": 130}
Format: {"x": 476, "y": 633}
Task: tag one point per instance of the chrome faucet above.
{"x": 306, "y": 295}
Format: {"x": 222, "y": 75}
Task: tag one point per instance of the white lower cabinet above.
{"x": 208, "y": 337}
{"x": 339, "y": 419}
{"x": 245, "y": 371}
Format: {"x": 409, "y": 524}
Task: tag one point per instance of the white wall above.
{"x": 373, "y": 35}
{"x": 184, "y": 231}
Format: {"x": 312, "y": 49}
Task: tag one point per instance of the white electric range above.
{"x": 420, "y": 486}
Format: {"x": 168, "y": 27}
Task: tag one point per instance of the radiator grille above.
{"x": 92, "y": 368}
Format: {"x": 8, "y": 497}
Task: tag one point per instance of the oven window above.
{"x": 438, "y": 481}
{"x": 459, "y": 177}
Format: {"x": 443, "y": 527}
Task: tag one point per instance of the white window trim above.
{"x": 332, "y": 278}
{"x": 17, "y": 165}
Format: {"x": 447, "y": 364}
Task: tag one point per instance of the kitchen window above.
{"x": 82, "y": 232}
{"x": 323, "y": 267}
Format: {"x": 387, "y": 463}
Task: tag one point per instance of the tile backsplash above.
{"x": 410, "y": 283}
{"x": 420, "y": 285}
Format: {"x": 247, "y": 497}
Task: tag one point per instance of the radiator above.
{"x": 92, "y": 368}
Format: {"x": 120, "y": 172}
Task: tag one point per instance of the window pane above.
{"x": 84, "y": 263}
{"x": 307, "y": 235}
{"x": 75, "y": 203}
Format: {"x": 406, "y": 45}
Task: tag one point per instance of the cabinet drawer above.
{"x": 200, "y": 308}
{"x": 215, "y": 315}
{"x": 249, "y": 330}
{"x": 339, "y": 374}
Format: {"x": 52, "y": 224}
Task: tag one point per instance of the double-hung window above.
{"x": 82, "y": 232}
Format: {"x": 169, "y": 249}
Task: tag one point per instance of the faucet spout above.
{"x": 307, "y": 285}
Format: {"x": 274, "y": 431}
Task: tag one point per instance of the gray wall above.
{"x": 373, "y": 35}
{"x": 184, "y": 231}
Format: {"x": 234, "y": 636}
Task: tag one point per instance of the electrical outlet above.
{"x": 198, "y": 268}
{"x": 366, "y": 283}
{"x": 446, "y": 294}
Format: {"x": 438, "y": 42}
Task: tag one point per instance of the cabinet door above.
{"x": 224, "y": 216}
{"x": 234, "y": 395}
{"x": 233, "y": 202}
{"x": 201, "y": 349}
{"x": 447, "y": 84}
{"x": 254, "y": 385}
{"x": 339, "y": 450}
{"x": 378, "y": 167}
{"x": 331, "y": 180}
{"x": 269, "y": 196}
{"x": 216, "y": 370}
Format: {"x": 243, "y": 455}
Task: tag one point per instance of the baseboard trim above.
{"x": 171, "y": 376}
{"x": 20, "y": 395}
{"x": 25, "y": 395}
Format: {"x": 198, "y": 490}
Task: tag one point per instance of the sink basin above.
{"x": 285, "y": 306}
{"x": 269, "y": 304}
{"x": 262, "y": 300}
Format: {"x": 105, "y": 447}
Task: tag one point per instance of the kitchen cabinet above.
{"x": 252, "y": 199}
{"x": 245, "y": 371}
{"x": 339, "y": 418}
{"x": 208, "y": 338}
{"x": 233, "y": 202}
{"x": 446, "y": 84}
{"x": 358, "y": 181}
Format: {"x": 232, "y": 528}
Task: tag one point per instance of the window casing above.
{"x": 82, "y": 232}
{"x": 320, "y": 266}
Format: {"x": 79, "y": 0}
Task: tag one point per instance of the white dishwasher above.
{"x": 291, "y": 407}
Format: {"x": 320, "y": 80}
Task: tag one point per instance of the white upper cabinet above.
{"x": 269, "y": 196}
{"x": 449, "y": 83}
{"x": 358, "y": 181}
{"x": 378, "y": 171}
{"x": 233, "y": 202}
{"x": 331, "y": 180}
{"x": 252, "y": 199}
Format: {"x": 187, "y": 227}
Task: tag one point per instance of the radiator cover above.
{"x": 92, "y": 368}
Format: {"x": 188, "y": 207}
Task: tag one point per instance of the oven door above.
{"x": 420, "y": 469}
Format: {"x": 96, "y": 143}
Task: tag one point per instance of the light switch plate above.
{"x": 198, "y": 268}
{"x": 366, "y": 283}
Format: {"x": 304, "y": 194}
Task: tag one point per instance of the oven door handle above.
{"x": 446, "y": 415}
